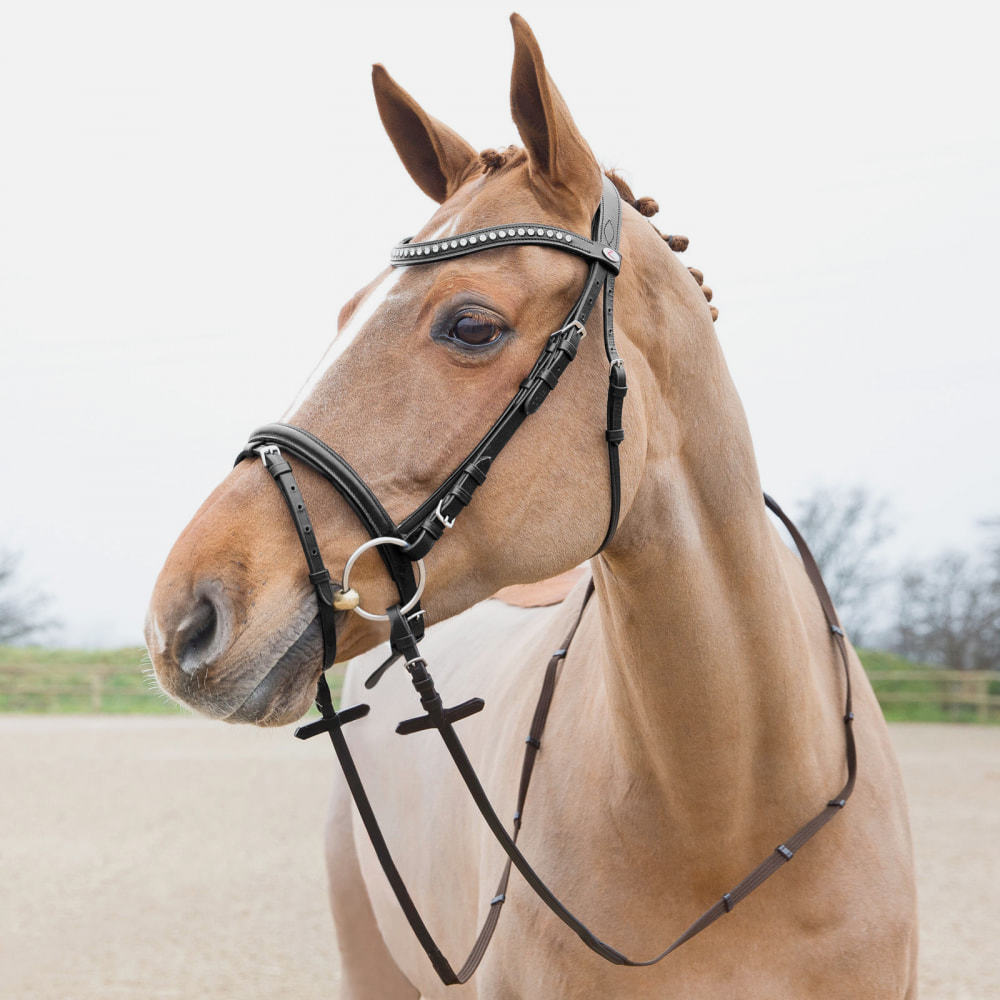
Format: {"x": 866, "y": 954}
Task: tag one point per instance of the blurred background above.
{"x": 190, "y": 191}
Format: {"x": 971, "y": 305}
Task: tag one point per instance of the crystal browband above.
{"x": 407, "y": 252}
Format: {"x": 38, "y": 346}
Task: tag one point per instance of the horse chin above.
{"x": 286, "y": 691}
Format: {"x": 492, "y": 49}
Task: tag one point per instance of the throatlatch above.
{"x": 401, "y": 545}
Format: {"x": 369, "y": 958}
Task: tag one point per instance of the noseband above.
{"x": 401, "y": 545}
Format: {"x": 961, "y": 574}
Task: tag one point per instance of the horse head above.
{"x": 424, "y": 361}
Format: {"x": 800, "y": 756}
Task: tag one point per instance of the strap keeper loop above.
{"x": 727, "y": 902}
{"x": 532, "y": 742}
{"x": 615, "y": 435}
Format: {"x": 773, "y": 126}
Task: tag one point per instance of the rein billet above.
{"x": 405, "y": 544}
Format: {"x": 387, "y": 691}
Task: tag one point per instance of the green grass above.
{"x": 881, "y": 666}
{"x": 78, "y": 681}
{"x": 120, "y": 681}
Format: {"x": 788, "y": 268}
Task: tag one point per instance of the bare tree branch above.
{"x": 22, "y": 611}
{"x": 949, "y": 610}
{"x": 846, "y": 530}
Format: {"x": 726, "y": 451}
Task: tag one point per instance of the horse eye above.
{"x": 476, "y": 331}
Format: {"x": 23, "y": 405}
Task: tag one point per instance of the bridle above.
{"x": 401, "y": 545}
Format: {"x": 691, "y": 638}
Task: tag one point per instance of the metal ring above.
{"x": 384, "y": 540}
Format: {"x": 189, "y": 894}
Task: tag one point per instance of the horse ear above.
{"x": 560, "y": 162}
{"x": 437, "y": 158}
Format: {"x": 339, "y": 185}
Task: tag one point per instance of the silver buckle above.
{"x": 441, "y": 516}
{"x": 578, "y": 325}
{"x": 267, "y": 449}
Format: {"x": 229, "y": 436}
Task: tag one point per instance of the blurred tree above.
{"x": 845, "y": 530}
{"x": 949, "y": 609}
{"x": 22, "y": 611}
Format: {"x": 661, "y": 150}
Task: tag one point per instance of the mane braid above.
{"x": 648, "y": 207}
{"x": 496, "y": 161}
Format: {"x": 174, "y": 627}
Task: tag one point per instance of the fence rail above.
{"x": 63, "y": 681}
{"x": 83, "y": 688}
{"x": 954, "y": 693}
{"x": 97, "y": 687}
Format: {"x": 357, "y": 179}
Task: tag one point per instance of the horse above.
{"x": 697, "y": 718}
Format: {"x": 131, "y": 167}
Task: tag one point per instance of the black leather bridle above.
{"x": 401, "y": 545}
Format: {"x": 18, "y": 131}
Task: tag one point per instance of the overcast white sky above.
{"x": 190, "y": 190}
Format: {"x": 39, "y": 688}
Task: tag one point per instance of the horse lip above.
{"x": 285, "y": 676}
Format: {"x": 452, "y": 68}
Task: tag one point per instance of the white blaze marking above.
{"x": 345, "y": 337}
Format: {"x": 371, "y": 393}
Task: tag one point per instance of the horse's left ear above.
{"x": 561, "y": 166}
{"x": 437, "y": 158}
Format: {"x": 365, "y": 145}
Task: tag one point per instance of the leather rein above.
{"x": 401, "y": 545}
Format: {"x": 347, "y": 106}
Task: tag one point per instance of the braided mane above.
{"x": 495, "y": 161}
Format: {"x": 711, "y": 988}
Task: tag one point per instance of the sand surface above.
{"x": 161, "y": 857}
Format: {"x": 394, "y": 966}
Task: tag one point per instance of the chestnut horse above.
{"x": 698, "y": 716}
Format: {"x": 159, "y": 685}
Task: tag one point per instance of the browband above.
{"x": 523, "y": 233}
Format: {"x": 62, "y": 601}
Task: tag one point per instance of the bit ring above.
{"x": 383, "y": 540}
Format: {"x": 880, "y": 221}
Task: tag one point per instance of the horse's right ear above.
{"x": 437, "y": 158}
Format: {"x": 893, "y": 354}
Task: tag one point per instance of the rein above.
{"x": 402, "y": 545}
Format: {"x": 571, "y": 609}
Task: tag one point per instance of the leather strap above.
{"x": 321, "y": 458}
{"x": 332, "y": 722}
{"x": 404, "y": 643}
{"x": 617, "y": 383}
{"x": 429, "y": 521}
{"x": 281, "y": 472}
{"x": 403, "y": 640}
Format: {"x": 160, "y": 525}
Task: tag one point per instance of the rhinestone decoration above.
{"x": 480, "y": 237}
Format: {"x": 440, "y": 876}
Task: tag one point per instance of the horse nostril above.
{"x": 198, "y": 635}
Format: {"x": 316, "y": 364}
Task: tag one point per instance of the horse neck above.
{"x": 708, "y": 666}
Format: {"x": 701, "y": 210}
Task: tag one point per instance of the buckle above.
{"x": 569, "y": 326}
{"x": 268, "y": 449}
{"x": 448, "y": 522}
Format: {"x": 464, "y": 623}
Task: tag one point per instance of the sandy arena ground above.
{"x": 159, "y": 857}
